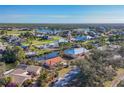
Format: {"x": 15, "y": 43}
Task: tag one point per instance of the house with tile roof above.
{"x": 53, "y": 61}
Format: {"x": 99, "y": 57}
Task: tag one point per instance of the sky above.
{"x": 61, "y": 14}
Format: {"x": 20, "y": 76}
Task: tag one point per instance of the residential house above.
{"x": 39, "y": 35}
{"x": 30, "y": 54}
{"x": 53, "y": 61}
{"x": 18, "y": 76}
{"x": 35, "y": 70}
{"x": 62, "y": 40}
{"x": 82, "y": 38}
{"x": 53, "y": 45}
{"x": 50, "y": 59}
{"x": 75, "y": 52}
{"x": 18, "y": 79}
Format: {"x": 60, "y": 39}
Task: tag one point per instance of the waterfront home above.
{"x": 48, "y": 31}
{"x": 50, "y": 59}
{"x": 83, "y": 38}
{"x": 75, "y": 52}
{"x": 39, "y": 35}
{"x": 53, "y": 45}
{"x": 62, "y": 40}
{"x": 45, "y": 46}
{"x": 30, "y": 54}
{"x": 53, "y": 61}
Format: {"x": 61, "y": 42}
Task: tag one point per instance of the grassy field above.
{"x": 63, "y": 71}
{"x": 10, "y": 66}
{"x": 41, "y": 52}
{"x": 15, "y": 32}
{"x": 37, "y": 42}
{"x": 42, "y": 42}
{"x": 56, "y": 37}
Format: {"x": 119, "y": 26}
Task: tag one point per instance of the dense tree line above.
{"x": 13, "y": 54}
{"x": 97, "y": 68}
{"x": 121, "y": 84}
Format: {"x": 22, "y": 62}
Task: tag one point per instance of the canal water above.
{"x": 49, "y": 31}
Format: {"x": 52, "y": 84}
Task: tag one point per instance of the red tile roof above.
{"x": 53, "y": 61}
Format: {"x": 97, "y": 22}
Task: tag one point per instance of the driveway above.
{"x": 62, "y": 82}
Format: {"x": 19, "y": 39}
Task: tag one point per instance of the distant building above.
{"x": 62, "y": 40}
{"x": 53, "y": 45}
{"x": 82, "y": 38}
{"x": 30, "y": 54}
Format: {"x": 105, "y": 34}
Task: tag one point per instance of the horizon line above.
{"x": 61, "y": 23}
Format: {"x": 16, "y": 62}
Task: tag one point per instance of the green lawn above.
{"x": 10, "y": 66}
{"x": 42, "y": 42}
{"x": 56, "y": 37}
{"x": 15, "y": 32}
{"x": 63, "y": 71}
{"x": 41, "y": 52}
{"x": 38, "y": 42}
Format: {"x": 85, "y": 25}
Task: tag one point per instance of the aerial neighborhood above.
{"x": 61, "y": 55}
